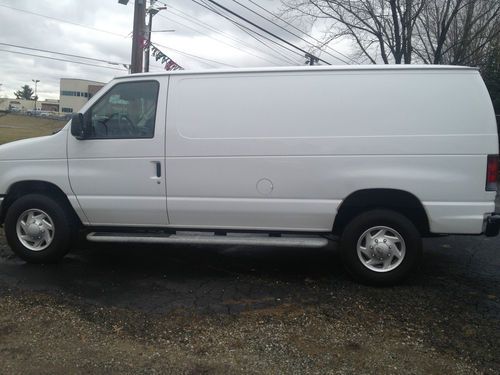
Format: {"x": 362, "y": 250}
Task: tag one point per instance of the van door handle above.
{"x": 158, "y": 168}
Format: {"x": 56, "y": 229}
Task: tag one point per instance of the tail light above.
{"x": 492, "y": 173}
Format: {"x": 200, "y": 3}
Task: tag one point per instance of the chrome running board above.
{"x": 211, "y": 238}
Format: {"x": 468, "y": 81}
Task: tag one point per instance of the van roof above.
{"x": 306, "y": 68}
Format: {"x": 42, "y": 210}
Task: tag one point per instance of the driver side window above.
{"x": 128, "y": 110}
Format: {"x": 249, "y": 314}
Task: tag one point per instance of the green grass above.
{"x": 14, "y": 127}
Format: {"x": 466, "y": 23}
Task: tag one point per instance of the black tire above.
{"x": 355, "y": 229}
{"x": 63, "y": 223}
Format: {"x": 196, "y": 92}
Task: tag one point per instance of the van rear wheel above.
{"x": 39, "y": 229}
{"x": 380, "y": 247}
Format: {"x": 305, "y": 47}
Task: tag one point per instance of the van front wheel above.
{"x": 380, "y": 247}
{"x": 38, "y": 228}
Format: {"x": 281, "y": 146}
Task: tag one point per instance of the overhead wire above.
{"x": 216, "y": 39}
{"x": 63, "y": 21}
{"x": 288, "y": 31}
{"x": 268, "y": 32}
{"x": 103, "y": 31}
{"x": 260, "y": 39}
{"x": 205, "y": 60}
{"x": 194, "y": 56}
{"x": 63, "y": 54}
{"x": 179, "y": 13}
{"x": 302, "y": 31}
{"x": 251, "y": 33}
{"x": 208, "y": 61}
{"x": 58, "y": 59}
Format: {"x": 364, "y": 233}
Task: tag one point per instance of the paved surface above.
{"x": 210, "y": 310}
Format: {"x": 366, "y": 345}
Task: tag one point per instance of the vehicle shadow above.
{"x": 158, "y": 278}
{"x": 155, "y": 277}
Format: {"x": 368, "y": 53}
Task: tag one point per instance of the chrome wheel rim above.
{"x": 35, "y": 229}
{"x": 381, "y": 249}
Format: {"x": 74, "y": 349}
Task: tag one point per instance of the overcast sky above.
{"x": 106, "y": 35}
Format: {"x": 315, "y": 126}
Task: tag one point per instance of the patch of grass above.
{"x": 15, "y": 127}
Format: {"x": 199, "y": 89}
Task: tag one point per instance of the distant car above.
{"x": 38, "y": 112}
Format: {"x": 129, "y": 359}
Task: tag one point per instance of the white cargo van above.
{"x": 376, "y": 156}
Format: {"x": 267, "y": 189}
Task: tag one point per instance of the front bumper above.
{"x": 492, "y": 224}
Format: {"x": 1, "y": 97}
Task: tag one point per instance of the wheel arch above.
{"x": 20, "y": 188}
{"x": 400, "y": 201}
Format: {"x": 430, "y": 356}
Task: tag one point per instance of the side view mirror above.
{"x": 78, "y": 126}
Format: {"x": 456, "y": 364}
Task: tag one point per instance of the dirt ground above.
{"x": 219, "y": 310}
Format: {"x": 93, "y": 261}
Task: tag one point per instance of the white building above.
{"x": 76, "y": 92}
{"x": 9, "y": 104}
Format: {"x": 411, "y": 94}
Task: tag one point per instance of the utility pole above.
{"x": 36, "y": 97}
{"x": 151, "y": 12}
{"x": 138, "y": 36}
{"x": 150, "y": 26}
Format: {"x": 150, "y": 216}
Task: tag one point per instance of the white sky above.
{"x": 19, "y": 27}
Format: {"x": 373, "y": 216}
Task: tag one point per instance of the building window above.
{"x": 67, "y": 110}
{"x": 75, "y": 93}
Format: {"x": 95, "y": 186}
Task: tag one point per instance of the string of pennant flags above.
{"x": 160, "y": 56}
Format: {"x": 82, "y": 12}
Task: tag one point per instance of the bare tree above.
{"x": 456, "y": 32}
{"x": 382, "y": 29}
{"x": 490, "y": 70}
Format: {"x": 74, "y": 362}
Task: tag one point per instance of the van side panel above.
{"x": 282, "y": 150}
{"x": 41, "y": 159}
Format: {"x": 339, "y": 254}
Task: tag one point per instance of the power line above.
{"x": 63, "y": 54}
{"x": 218, "y": 40}
{"x": 103, "y": 31}
{"x": 57, "y": 59}
{"x": 249, "y": 31}
{"x": 211, "y": 28}
{"x": 288, "y": 31}
{"x": 301, "y": 31}
{"x": 207, "y": 61}
{"x": 196, "y": 31}
{"x": 258, "y": 37}
{"x": 194, "y": 56}
{"x": 91, "y": 28}
{"x": 267, "y": 31}
{"x": 63, "y": 21}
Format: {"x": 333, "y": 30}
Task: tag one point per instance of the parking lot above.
{"x": 211, "y": 310}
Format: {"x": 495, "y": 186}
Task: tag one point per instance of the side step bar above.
{"x": 210, "y": 238}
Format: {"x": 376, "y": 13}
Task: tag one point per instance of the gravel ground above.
{"x": 214, "y": 310}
